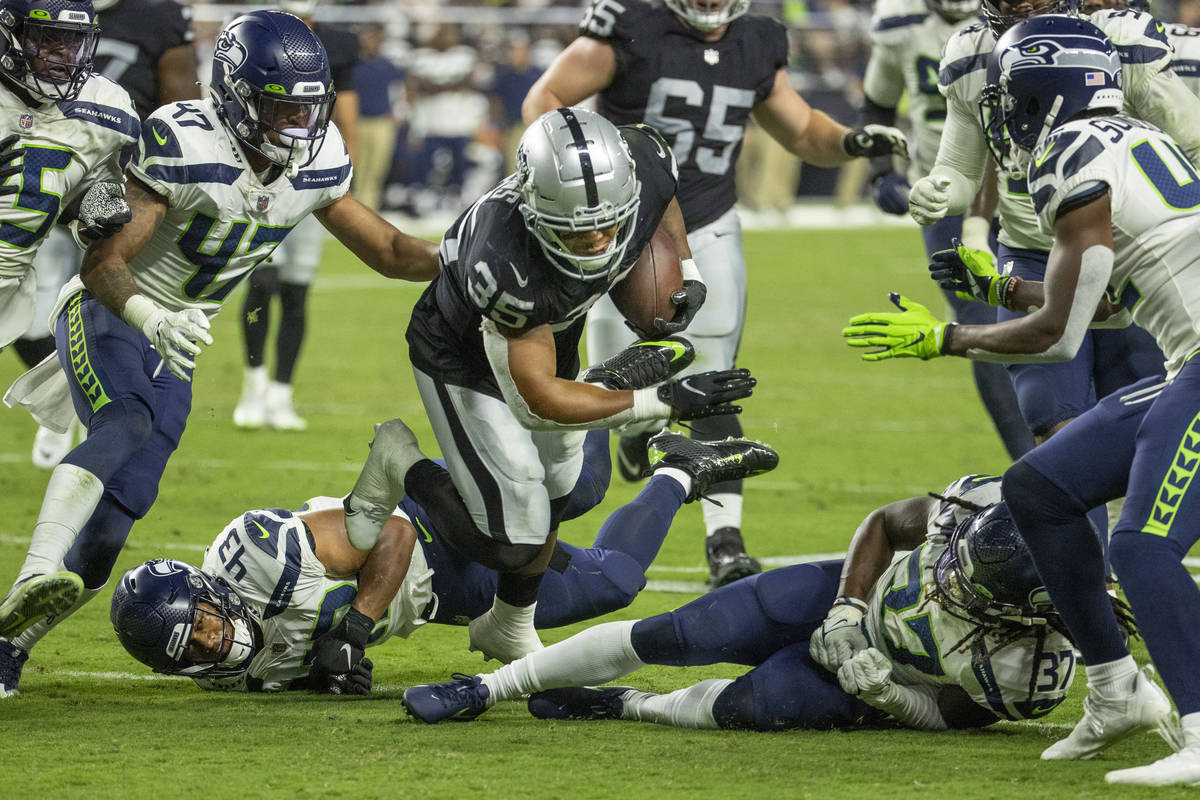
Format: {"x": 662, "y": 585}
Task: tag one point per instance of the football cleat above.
{"x": 380, "y": 485}
{"x": 251, "y": 412}
{"x": 1106, "y": 722}
{"x": 462, "y": 699}
{"x": 710, "y": 462}
{"x": 12, "y": 660}
{"x": 632, "y": 461}
{"x": 727, "y": 558}
{"x": 49, "y": 446}
{"x": 1181, "y": 767}
{"x": 40, "y": 597}
{"x": 505, "y": 643}
{"x": 643, "y": 364}
{"x": 579, "y": 702}
{"x": 279, "y": 413}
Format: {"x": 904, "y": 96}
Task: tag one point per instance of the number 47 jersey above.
{"x": 221, "y": 220}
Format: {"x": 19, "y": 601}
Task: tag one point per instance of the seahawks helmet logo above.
{"x": 230, "y": 52}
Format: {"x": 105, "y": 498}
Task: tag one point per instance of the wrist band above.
{"x": 947, "y": 335}
{"x": 851, "y": 601}
{"x": 1006, "y": 290}
{"x": 687, "y": 269}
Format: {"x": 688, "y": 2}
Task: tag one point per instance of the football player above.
{"x": 284, "y": 600}
{"x": 494, "y": 342}
{"x": 1122, "y": 201}
{"x": 215, "y": 186}
{"x": 147, "y": 47}
{"x": 907, "y": 37}
{"x": 942, "y": 637}
{"x": 696, "y": 70}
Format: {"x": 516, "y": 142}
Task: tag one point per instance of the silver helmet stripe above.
{"x": 585, "y": 158}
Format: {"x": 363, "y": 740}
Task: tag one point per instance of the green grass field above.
{"x": 91, "y": 722}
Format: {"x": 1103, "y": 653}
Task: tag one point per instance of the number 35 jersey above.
{"x": 928, "y": 646}
{"x": 267, "y": 557}
{"x": 221, "y": 219}
{"x": 65, "y": 146}
{"x": 697, "y": 94}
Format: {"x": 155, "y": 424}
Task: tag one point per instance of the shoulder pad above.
{"x": 103, "y": 103}
{"x": 1061, "y": 157}
{"x": 616, "y": 19}
{"x": 644, "y": 139}
{"x": 1127, "y": 27}
{"x": 966, "y": 52}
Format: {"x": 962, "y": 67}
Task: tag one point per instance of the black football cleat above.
{"x": 643, "y": 364}
{"x": 462, "y": 699}
{"x": 727, "y": 558}
{"x": 711, "y": 462}
{"x": 633, "y": 463}
{"x": 579, "y": 702}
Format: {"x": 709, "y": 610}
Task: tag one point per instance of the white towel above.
{"x": 43, "y": 392}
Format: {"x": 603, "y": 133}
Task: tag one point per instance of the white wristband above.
{"x": 137, "y": 310}
{"x": 648, "y": 408}
{"x": 976, "y": 232}
{"x": 687, "y": 268}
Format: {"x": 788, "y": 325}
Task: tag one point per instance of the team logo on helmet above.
{"x": 230, "y": 51}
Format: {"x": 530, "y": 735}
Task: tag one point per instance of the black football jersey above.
{"x": 697, "y": 94}
{"x": 134, "y": 34}
{"x": 343, "y": 49}
{"x": 493, "y": 267}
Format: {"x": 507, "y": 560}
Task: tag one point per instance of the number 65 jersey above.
{"x": 267, "y": 557}
{"x": 929, "y": 646}
{"x": 221, "y": 220}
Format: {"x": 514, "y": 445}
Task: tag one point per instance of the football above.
{"x": 645, "y": 293}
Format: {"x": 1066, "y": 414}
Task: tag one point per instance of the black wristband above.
{"x": 947, "y": 335}
{"x": 358, "y": 623}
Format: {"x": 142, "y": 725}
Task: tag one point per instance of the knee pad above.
{"x": 795, "y": 595}
{"x": 1029, "y": 492}
{"x": 264, "y": 280}
{"x": 655, "y": 641}
{"x": 734, "y": 707}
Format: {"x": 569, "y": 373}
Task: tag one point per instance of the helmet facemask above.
{"x": 1000, "y": 21}
{"x": 954, "y": 10}
{"x": 50, "y": 55}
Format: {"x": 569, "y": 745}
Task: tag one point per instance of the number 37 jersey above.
{"x": 221, "y": 219}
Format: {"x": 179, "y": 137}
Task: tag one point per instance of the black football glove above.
{"x": 707, "y": 394}
{"x": 102, "y": 210}
{"x": 8, "y": 154}
{"x": 871, "y": 141}
{"x": 687, "y": 302}
{"x": 356, "y": 681}
{"x": 337, "y": 656}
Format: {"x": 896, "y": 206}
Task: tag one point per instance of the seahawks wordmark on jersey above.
{"x": 929, "y": 646}
{"x": 697, "y": 94}
{"x": 221, "y": 220}
{"x": 66, "y": 146}
{"x": 493, "y": 268}
{"x": 1142, "y": 46}
{"x": 1185, "y": 63}
{"x": 267, "y": 557}
{"x": 1154, "y": 193}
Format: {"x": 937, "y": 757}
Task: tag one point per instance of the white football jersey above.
{"x": 906, "y": 48}
{"x": 222, "y": 220}
{"x": 1155, "y": 197}
{"x": 930, "y": 647}
{"x": 267, "y": 557}
{"x": 1185, "y": 63}
{"x": 66, "y": 146}
{"x": 1145, "y": 58}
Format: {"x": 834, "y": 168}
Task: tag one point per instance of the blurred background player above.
{"x": 695, "y": 71}
{"x": 267, "y": 400}
{"x": 147, "y": 47}
{"x": 378, "y": 83}
{"x": 907, "y": 37}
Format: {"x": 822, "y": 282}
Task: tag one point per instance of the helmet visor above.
{"x": 300, "y": 118}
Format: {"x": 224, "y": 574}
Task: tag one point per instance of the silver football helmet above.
{"x": 955, "y": 10}
{"x": 575, "y": 173}
{"x": 708, "y": 15}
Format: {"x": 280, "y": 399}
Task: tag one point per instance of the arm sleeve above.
{"x": 912, "y": 706}
{"x": 1162, "y": 99}
{"x": 961, "y": 157}
{"x": 884, "y": 82}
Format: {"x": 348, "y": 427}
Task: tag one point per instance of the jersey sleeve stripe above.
{"x": 1140, "y": 53}
{"x": 1186, "y": 67}
{"x": 1085, "y": 154}
{"x": 961, "y": 67}
{"x": 891, "y": 23}
{"x": 320, "y": 178}
{"x": 282, "y": 596}
{"x": 981, "y": 665}
{"x": 194, "y": 173}
{"x": 105, "y": 116}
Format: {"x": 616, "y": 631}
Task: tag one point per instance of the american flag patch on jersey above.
{"x": 1093, "y": 79}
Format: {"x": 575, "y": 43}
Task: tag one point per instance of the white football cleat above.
{"x": 37, "y": 598}
{"x": 280, "y": 413}
{"x": 49, "y": 447}
{"x": 380, "y": 485}
{"x": 505, "y": 641}
{"x": 251, "y": 411}
{"x": 1181, "y": 767}
{"x": 1106, "y": 722}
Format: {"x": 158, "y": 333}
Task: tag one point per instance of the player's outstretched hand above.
{"x": 9, "y": 152}
{"x": 912, "y": 333}
{"x": 929, "y": 199}
{"x": 868, "y": 673}
{"x": 841, "y": 636}
{"x": 339, "y": 653}
{"x": 103, "y": 210}
{"x": 707, "y": 394}
{"x": 687, "y": 302}
{"x": 871, "y": 141}
{"x": 890, "y": 191}
{"x": 970, "y": 273}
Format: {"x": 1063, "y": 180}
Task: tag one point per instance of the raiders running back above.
{"x": 697, "y": 94}
{"x": 222, "y": 220}
{"x": 492, "y": 267}
{"x": 1145, "y": 53}
{"x": 267, "y": 557}
{"x": 929, "y": 646}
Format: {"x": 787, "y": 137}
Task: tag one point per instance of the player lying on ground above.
{"x": 958, "y": 633}
{"x": 283, "y": 600}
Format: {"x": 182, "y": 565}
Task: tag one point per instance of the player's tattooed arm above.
{"x": 105, "y": 270}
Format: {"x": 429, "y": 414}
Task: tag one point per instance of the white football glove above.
{"x": 868, "y": 674}
{"x": 929, "y": 199}
{"x": 839, "y": 638}
{"x": 176, "y": 335}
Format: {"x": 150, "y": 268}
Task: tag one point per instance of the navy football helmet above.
{"x": 177, "y": 620}
{"x": 954, "y": 10}
{"x": 1000, "y": 15}
{"x": 273, "y": 87}
{"x": 1043, "y": 72}
{"x": 986, "y": 573}
{"x": 48, "y": 45}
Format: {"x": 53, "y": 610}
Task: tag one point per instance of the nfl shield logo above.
{"x": 26, "y": 121}
{"x": 711, "y": 57}
{"x": 262, "y": 201}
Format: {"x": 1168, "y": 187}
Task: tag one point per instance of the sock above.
{"x": 726, "y": 515}
{"x": 71, "y": 496}
{"x": 677, "y": 475}
{"x": 1112, "y": 679}
{"x": 28, "y": 638}
{"x": 290, "y": 335}
{"x": 639, "y": 528}
{"x": 518, "y": 590}
{"x": 595, "y": 655}
{"x": 686, "y": 708}
{"x": 256, "y": 313}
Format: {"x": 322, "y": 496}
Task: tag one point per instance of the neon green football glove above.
{"x": 913, "y": 333}
{"x": 970, "y": 273}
